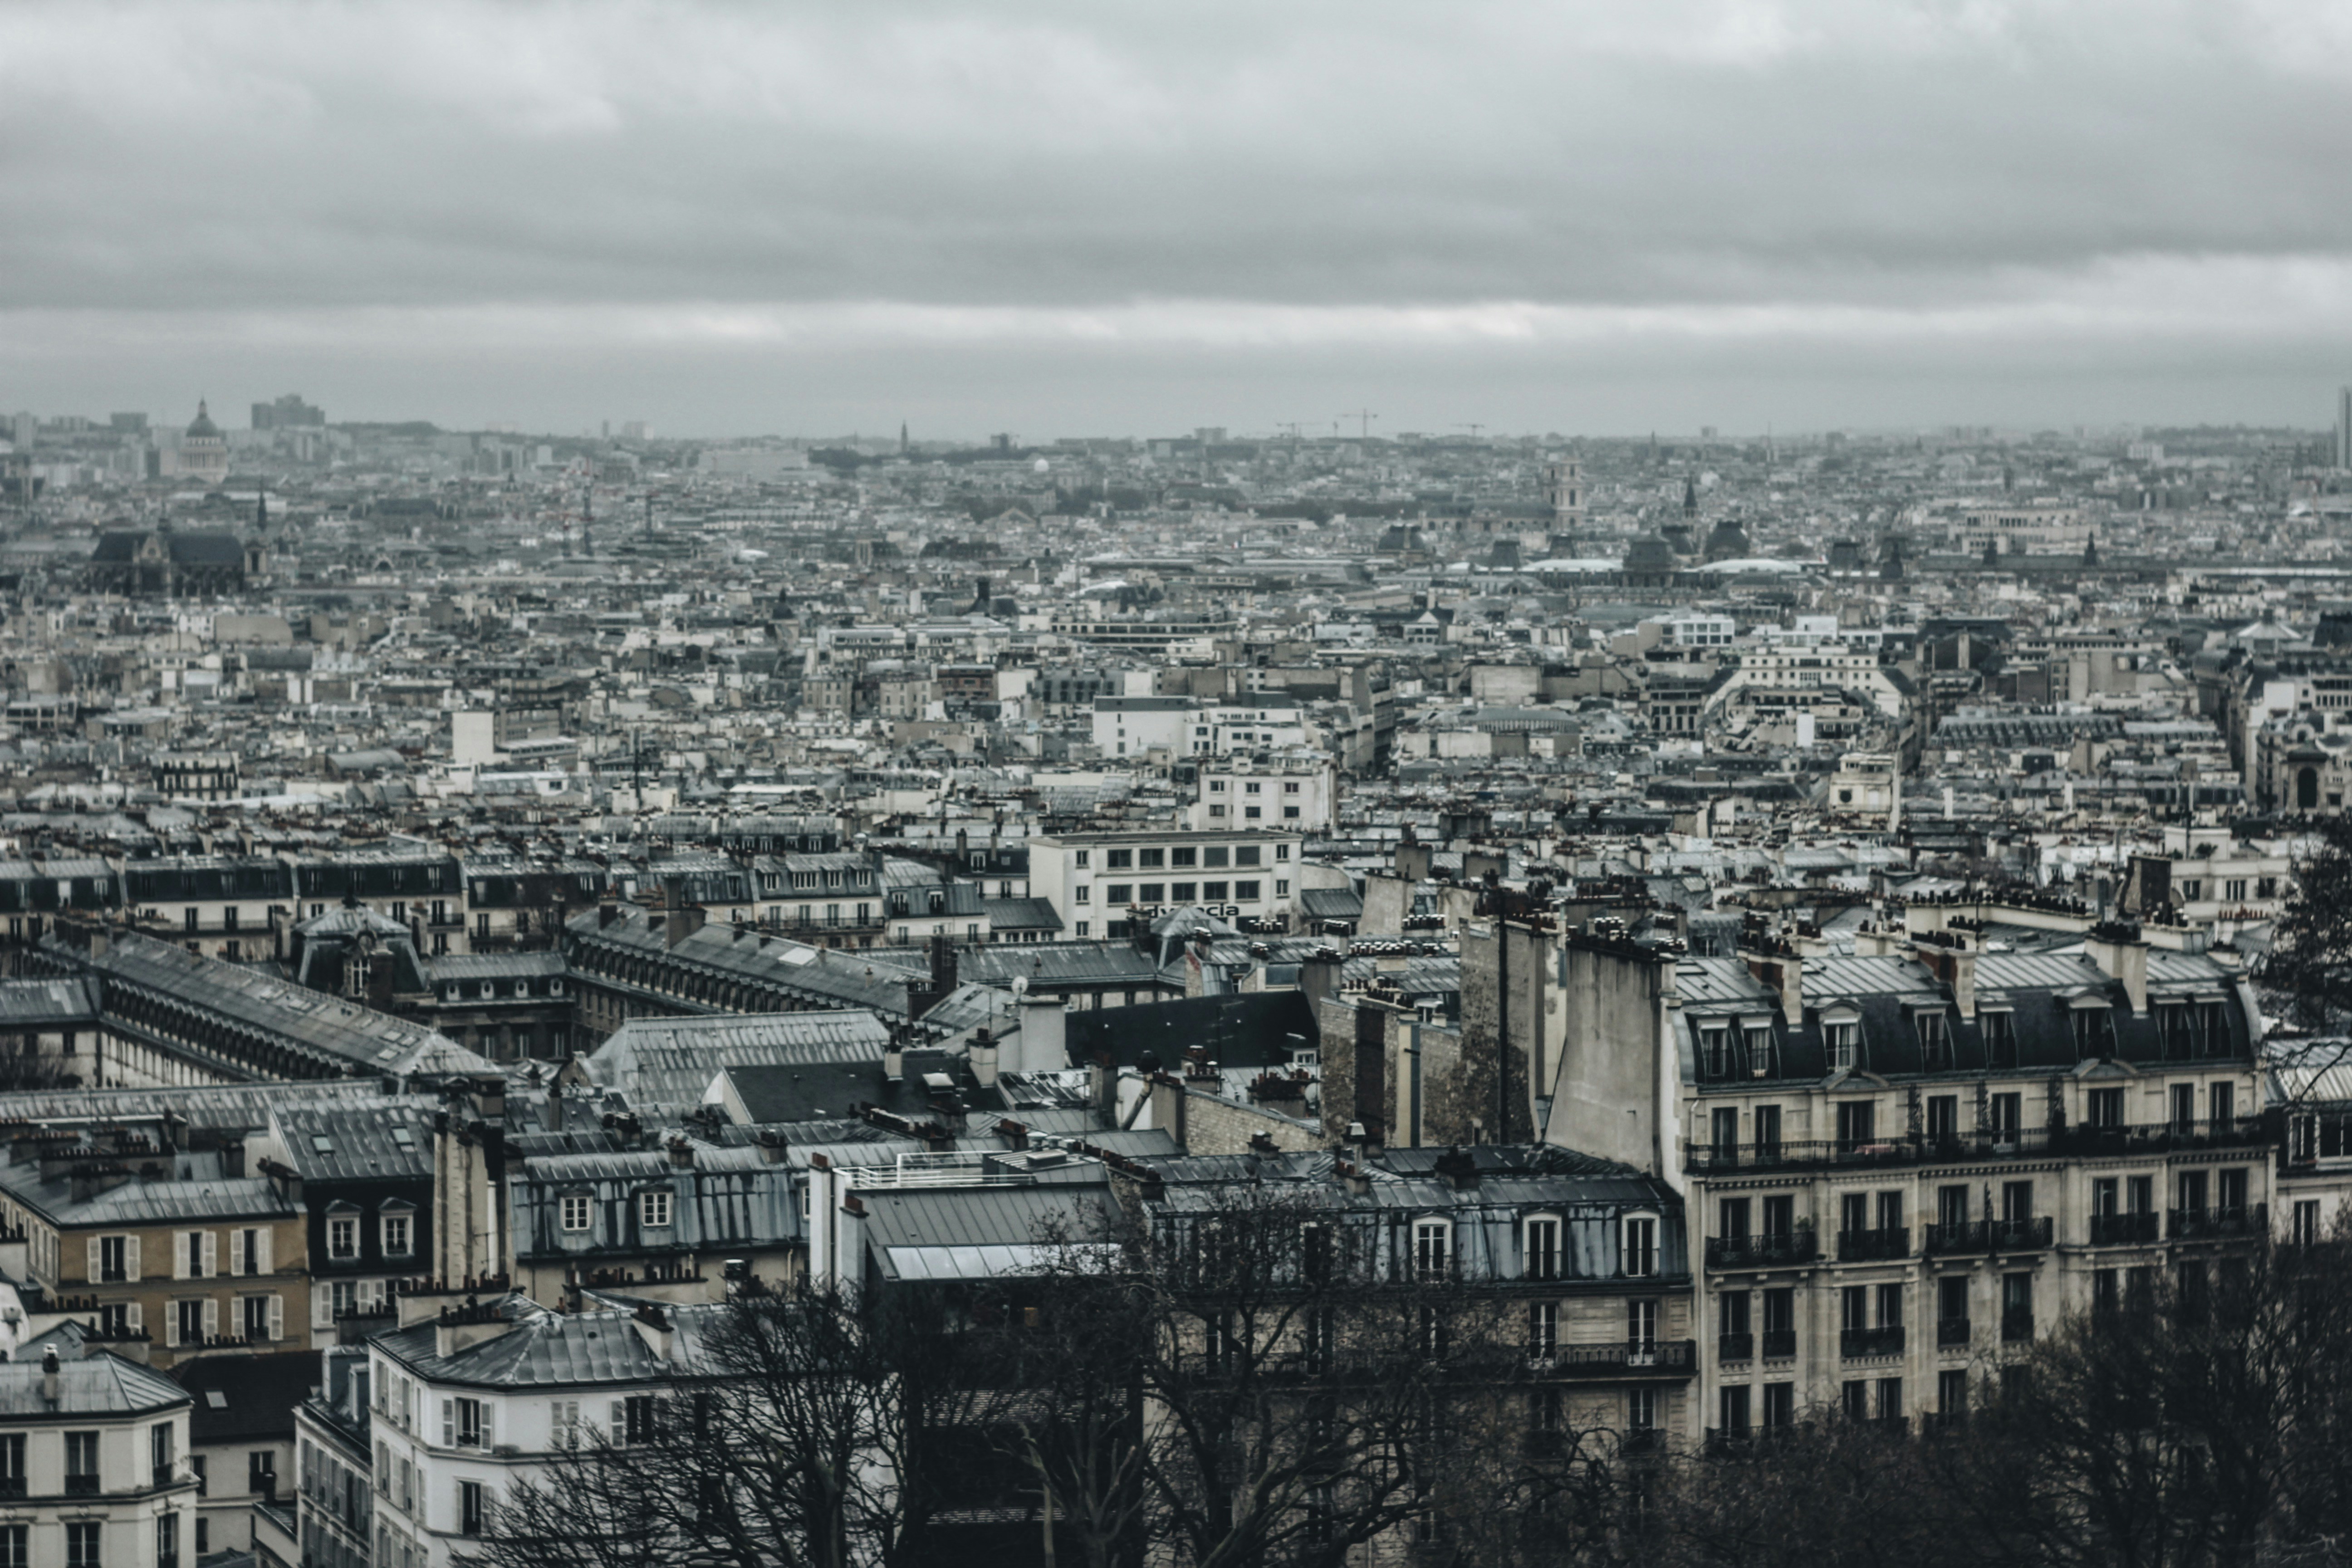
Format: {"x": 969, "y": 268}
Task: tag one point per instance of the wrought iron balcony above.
{"x": 1873, "y": 1246}
{"x": 2234, "y": 1222}
{"x": 1853, "y": 1344}
{"x": 1952, "y": 1331}
{"x": 1761, "y": 1251}
{"x": 2124, "y": 1229}
{"x": 1988, "y": 1235}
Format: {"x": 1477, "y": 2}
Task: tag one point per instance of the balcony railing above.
{"x": 1952, "y": 1331}
{"x": 1873, "y": 1246}
{"x": 81, "y": 1486}
{"x": 2123, "y": 1229}
{"x": 1761, "y": 1251}
{"x": 2016, "y": 1327}
{"x": 1779, "y": 1344}
{"x": 2233, "y": 1223}
{"x": 1853, "y": 1344}
{"x": 1620, "y": 1356}
{"x": 1735, "y": 1347}
{"x": 1988, "y": 1235}
{"x": 1983, "y": 1143}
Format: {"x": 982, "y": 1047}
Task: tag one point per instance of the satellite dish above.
{"x": 1021, "y": 985}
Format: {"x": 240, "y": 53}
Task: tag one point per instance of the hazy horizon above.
{"x": 1057, "y": 219}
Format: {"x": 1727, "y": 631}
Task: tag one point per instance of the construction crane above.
{"x": 1474, "y": 428}
{"x": 1364, "y": 416}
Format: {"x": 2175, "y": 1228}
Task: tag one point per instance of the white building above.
{"x": 460, "y": 1415}
{"x": 1295, "y": 792}
{"x": 94, "y": 1465}
{"x": 1101, "y": 881}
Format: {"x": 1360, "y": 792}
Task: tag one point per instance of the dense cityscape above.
{"x": 1216, "y": 998}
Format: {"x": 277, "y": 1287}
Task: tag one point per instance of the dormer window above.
{"x": 1639, "y": 1246}
{"x": 1756, "y": 1035}
{"x": 1935, "y": 1050}
{"x": 2000, "y": 1027}
{"x": 1542, "y": 1242}
{"x": 1714, "y": 1050}
{"x": 1841, "y": 1041}
{"x": 2094, "y": 1032}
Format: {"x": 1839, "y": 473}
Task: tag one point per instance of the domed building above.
{"x": 204, "y": 450}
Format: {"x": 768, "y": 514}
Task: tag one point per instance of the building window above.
{"x": 633, "y": 1419}
{"x": 396, "y": 1235}
{"x": 342, "y": 1239}
{"x": 1119, "y": 893}
{"x": 1543, "y": 1248}
{"x": 1543, "y": 1329}
{"x": 464, "y": 1423}
{"x": 1119, "y": 859}
{"x": 1433, "y": 1249}
{"x": 1247, "y": 893}
{"x": 472, "y": 1508}
{"x": 1641, "y": 1245}
{"x": 82, "y": 1464}
{"x": 653, "y": 1209}
{"x": 262, "y": 1316}
{"x": 576, "y": 1212}
{"x": 16, "y": 1548}
{"x": 81, "y": 1544}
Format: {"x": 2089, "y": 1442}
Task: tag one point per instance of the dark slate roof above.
{"x": 1332, "y": 903}
{"x": 1022, "y": 914}
{"x": 1056, "y": 964}
{"x": 358, "y": 1142}
{"x": 103, "y": 1384}
{"x": 1247, "y": 1029}
{"x": 553, "y": 1350}
{"x": 246, "y": 1396}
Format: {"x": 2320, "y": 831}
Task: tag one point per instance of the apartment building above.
{"x": 94, "y": 1470}
{"x": 1915, "y": 1159}
{"x": 461, "y": 1413}
{"x": 335, "y": 1503}
{"x": 1106, "y": 884}
{"x": 223, "y": 906}
{"x": 1295, "y": 792}
{"x": 147, "y": 1241}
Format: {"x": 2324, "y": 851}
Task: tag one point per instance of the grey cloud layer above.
{"x": 263, "y": 156}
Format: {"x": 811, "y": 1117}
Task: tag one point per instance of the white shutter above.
{"x": 261, "y": 1247}
{"x": 211, "y": 1253}
{"x": 180, "y": 1250}
{"x": 276, "y": 1316}
{"x": 448, "y": 1422}
{"x": 490, "y": 1424}
{"x": 212, "y": 1318}
{"x": 237, "y": 1252}
{"x": 620, "y": 1421}
{"x": 134, "y": 1319}
{"x": 131, "y": 1258}
{"x": 170, "y": 1323}
{"x": 95, "y": 1267}
{"x": 322, "y": 1306}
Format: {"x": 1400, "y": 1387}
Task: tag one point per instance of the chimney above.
{"x": 983, "y": 1055}
{"x": 685, "y": 920}
{"x": 2119, "y": 951}
{"x": 681, "y": 1153}
{"x": 1459, "y": 1167}
{"x": 1282, "y": 1092}
{"x": 655, "y": 1328}
{"x": 49, "y": 1374}
{"x": 1785, "y": 977}
{"x": 1318, "y": 976}
{"x": 1043, "y": 1040}
{"x": 894, "y": 1057}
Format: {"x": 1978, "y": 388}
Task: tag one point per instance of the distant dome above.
{"x": 204, "y": 424}
{"x": 1041, "y": 467}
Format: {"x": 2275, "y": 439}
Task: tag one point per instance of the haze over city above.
{"x": 1078, "y": 219}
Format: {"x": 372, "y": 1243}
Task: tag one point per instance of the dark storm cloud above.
{"x": 1828, "y": 177}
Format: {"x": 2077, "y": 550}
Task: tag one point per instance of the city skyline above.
{"x": 1044, "y": 217}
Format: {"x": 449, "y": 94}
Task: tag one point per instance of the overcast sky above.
{"x": 1095, "y": 218}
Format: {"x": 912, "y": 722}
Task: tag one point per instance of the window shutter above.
{"x": 261, "y": 1239}
{"x": 170, "y": 1323}
{"x": 211, "y": 1253}
{"x": 94, "y": 1265}
{"x": 134, "y": 1318}
{"x": 490, "y": 1428}
{"x": 448, "y": 1422}
{"x": 212, "y": 1318}
{"x": 620, "y": 1421}
{"x": 323, "y": 1307}
{"x": 237, "y": 1252}
{"x": 180, "y": 1250}
{"x": 131, "y": 1258}
{"x": 276, "y": 1316}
